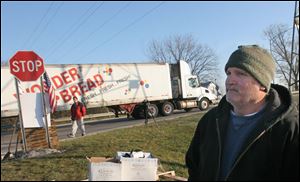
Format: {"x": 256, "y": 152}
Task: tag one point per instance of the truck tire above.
{"x": 203, "y": 104}
{"x": 166, "y": 108}
{"x": 152, "y": 110}
{"x": 138, "y": 113}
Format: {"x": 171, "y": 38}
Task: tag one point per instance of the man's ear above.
{"x": 262, "y": 88}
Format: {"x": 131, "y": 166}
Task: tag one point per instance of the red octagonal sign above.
{"x": 26, "y": 65}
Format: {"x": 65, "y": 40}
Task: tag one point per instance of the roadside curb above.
{"x": 86, "y": 122}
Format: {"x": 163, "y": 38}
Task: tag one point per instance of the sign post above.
{"x": 28, "y": 66}
{"x": 21, "y": 117}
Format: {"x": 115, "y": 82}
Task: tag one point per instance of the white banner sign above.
{"x": 32, "y": 110}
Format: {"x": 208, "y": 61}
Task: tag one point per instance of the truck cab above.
{"x": 191, "y": 93}
{"x": 204, "y": 96}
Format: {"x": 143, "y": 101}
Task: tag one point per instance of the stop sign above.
{"x": 26, "y": 65}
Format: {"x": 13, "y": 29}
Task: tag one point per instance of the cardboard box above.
{"x": 138, "y": 169}
{"x": 123, "y": 168}
{"x": 104, "y": 169}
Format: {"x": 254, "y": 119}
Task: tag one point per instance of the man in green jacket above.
{"x": 253, "y": 134}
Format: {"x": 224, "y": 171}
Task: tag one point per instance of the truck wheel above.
{"x": 203, "y": 104}
{"x": 137, "y": 113}
{"x": 152, "y": 110}
{"x": 166, "y": 108}
{"x": 134, "y": 115}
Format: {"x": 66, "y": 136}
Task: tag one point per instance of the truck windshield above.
{"x": 193, "y": 82}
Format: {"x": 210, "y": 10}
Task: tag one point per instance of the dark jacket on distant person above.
{"x": 77, "y": 110}
{"x": 271, "y": 152}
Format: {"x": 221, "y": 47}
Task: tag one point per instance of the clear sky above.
{"x": 119, "y": 32}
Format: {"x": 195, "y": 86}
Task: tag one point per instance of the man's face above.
{"x": 242, "y": 88}
{"x": 75, "y": 100}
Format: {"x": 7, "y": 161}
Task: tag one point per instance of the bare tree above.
{"x": 202, "y": 59}
{"x": 280, "y": 39}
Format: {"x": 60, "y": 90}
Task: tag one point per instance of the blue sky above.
{"x": 93, "y": 32}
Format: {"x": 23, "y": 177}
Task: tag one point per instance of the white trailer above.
{"x": 118, "y": 86}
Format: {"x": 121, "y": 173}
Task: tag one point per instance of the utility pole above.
{"x": 296, "y": 53}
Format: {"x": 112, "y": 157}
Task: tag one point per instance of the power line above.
{"x": 77, "y": 28}
{"x": 72, "y": 28}
{"x": 123, "y": 29}
{"x": 97, "y": 29}
{"x": 47, "y": 23}
{"x": 38, "y": 25}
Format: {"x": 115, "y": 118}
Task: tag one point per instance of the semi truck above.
{"x": 120, "y": 87}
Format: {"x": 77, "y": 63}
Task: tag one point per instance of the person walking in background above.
{"x": 78, "y": 111}
{"x": 253, "y": 133}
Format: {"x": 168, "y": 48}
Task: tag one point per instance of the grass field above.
{"x": 168, "y": 141}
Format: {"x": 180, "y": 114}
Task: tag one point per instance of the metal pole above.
{"x": 21, "y": 116}
{"x": 292, "y": 58}
{"x": 45, "y": 112}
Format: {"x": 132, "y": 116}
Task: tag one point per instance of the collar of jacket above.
{"x": 279, "y": 105}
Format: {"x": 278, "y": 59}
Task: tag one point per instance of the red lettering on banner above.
{"x": 27, "y": 90}
{"x": 65, "y": 77}
{"x": 82, "y": 87}
{"x": 65, "y": 95}
{"x": 98, "y": 79}
{"x": 90, "y": 84}
{"x": 35, "y": 88}
{"x": 57, "y": 81}
{"x": 74, "y": 89}
{"x": 57, "y": 98}
{"x": 61, "y": 81}
{"x": 73, "y": 73}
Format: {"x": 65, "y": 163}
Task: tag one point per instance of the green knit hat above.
{"x": 256, "y": 61}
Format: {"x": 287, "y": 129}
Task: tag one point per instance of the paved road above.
{"x": 93, "y": 127}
